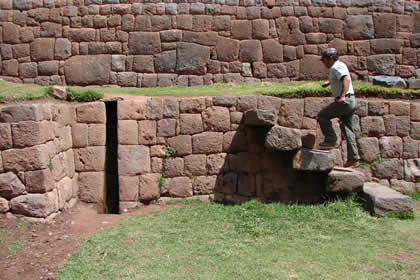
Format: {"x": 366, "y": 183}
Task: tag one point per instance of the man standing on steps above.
{"x": 343, "y": 107}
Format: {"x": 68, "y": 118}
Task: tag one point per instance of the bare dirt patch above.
{"x": 45, "y": 248}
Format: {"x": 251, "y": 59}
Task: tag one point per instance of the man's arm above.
{"x": 346, "y": 85}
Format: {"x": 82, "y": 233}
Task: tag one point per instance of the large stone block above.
{"x": 133, "y": 160}
{"x": 10, "y": 67}
{"x": 32, "y": 158}
{"x": 411, "y": 148}
{"x": 30, "y": 133}
{"x": 313, "y": 160}
{"x": 403, "y": 186}
{"x": 289, "y": 31}
{"x": 39, "y": 181}
{"x": 250, "y": 51}
{"x": 64, "y": 191}
{"x": 166, "y": 128}
{"x": 97, "y": 134}
{"x": 10, "y": 185}
{"x": 132, "y": 110}
{"x": 415, "y": 111}
{"x": 207, "y": 143}
{"x": 291, "y": 113}
{"x": 192, "y": 105}
{"x": 195, "y": 165}
{"x": 227, "y": 49}
{"x": 173, "y": 167}
{"x": 345, "y": 180}
{"x": 10, "y": 32}
{"x": 147, "y": 132}
{"x": 372, "y": 126}
{"x": 177, "y": 187}
{"x": 260, "y": 117}
{"x": 359, "y": 27}
{"x": 21, "y": 112}
{"x": 4, "y": 205}
{"x": 283, "y": 139}
{"x": 241, "y": 29}
{"x": 204, "y": 184}
{"x": 310, "y": 68}
{"x": 382, "y": 200}
{"x": 391, "y": 147}
{"x": 96, "y": 70}
{"x": 381, "y": 64}
{"x": 42, "y": 49}
{"x": 369, "y": 148}
{"x": 93, "y": 112}
{"x": 181, "y": 144}
{"x": 192, "y": 58}
{"x": 389, "y": 169}
{"x": 149, "y": 186}
{"x": 89, "y": 159}
{"x": 385, "y": 25}
{"x": 165, "y": 62}
{"x": 128, "y": 188}
{"x": 235, "y": 141}
{"x": 385, "y": 46}
{"x": 62, "y": 48}
{"x": 216, "y": 119}
{"x": 35, "y": 205}
{"x": 272, "y": 51}
{"x": 144, "y": 43}
{"x": 128, "y": 132}
{"x": 5, "y": 136}
{"x": 190, "y": 124}
{"x": 327, "y": 25}
{"x": 91, "y": 186}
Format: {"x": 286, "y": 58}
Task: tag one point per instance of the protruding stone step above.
{"x": 283, "y": 139}
{"x": 389, "y": 81}
{"x": 314, "y": 160}
{"x": 383, "y": 201}
{"x": 345, "y": 180}
{"x": 260, "y": 117}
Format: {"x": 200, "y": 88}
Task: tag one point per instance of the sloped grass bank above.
{"x": 337, "y": 240}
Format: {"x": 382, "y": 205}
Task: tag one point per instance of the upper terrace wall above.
{"x": 163, "y": 43}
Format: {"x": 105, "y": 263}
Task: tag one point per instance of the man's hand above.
{"x": 327, "y": 83}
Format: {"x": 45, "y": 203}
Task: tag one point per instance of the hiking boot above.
{"x": 352, "y": 163}
{"x": 328, "y": 145}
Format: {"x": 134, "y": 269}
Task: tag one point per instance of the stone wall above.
{"x": 165, "y": 43}
{"x": 185, "y": 147}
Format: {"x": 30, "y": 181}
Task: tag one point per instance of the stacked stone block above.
{"x": 166, "y": 43}
{"x": 37, "y": 174}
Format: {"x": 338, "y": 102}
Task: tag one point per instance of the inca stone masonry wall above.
{"x": 53, "y": 154}
{"x": 164, "y": 43}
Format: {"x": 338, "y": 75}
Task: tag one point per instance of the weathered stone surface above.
{"x": 250, "y": 50}
{"x": 260, "y": 117}
{"x": 39, "y": 181}
{"x": 132, "y": 110}
{"x": 128, "y": 132}
{"x": 403, "y": 186}
{"x": 389, "y": 81}
{"x": 411, "y": 148}
{"x": 227, "y": 49}
{"x": 26, "y": 159}
{"x": 10, "y": 185}
{"x": 234, "y": 141}
{"x": 192, "y": 58}
{"x": 147, "y": 132}
{"x": 246, "y": 103}
{"x": 291, "y": 113}
{"x": 59, "y": 92}
{"x": 96, "y": 69}
{"x": 192, "y": 105}
{"x": 170, "y": 107}
{"x": 133, "y": 160}
{"x": 412, "y": 170}
{"x": 165, "y": 62}
{"x": 89, "y": 159}
{"x": 4, "y": 205}
{"x": 64, "y": 191}
{"x": 382, "y": 200}
{"x": 181, "y": 143}
{"x": 283, "y": 139}
{"x": 21, "y": 112}
{"x": 177, "y": 187}
{"x": 30, "y": 133}
{"x": 359, "y": 27}
{"x": 381, "y": 64}
{"x": 195, "y": 165}
{"x": 35, "y": 205}
{"x": 399, "y": 108}
{"x": 173, "y": 167}
{"x": 309, "y": 68}
{"x": 216, "y": 119}
{"x": 384, "y": 46}
{"x": 128, "y": 188}
{"x": 5, "y": 136}
{"x": 368, "y": 148}
{"x": 289, "y": 32}
{"x": 144, "y": 43}
{"x": 91, "y": 186}
{"x": 345, "y": 180}
{"x": 154, "y": 108}
{"x": 391, "y": 147}
{"x": 372, "y": 126}
{"x": 385, "y": 25}
{"x": 313, "y": 160}
{"x": 414, "y": 83}
{"x": 207, "y": 143}
{"x": 93, "y": 112}
{"x": 204, "y": 184}
{"x": 389, "y": 168}
{"x": 149, "y": 186}
{"x": 166, "y": 128}
{"x": 42, "y": 49}
{"x": 190, "y": 124}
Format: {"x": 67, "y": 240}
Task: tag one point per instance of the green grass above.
{"x": 415, "y": 195}
{"x": 20, "y": 91}
{"x": 338, "y": 240}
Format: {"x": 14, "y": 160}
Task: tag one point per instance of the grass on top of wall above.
{"x": 335, "y": 240}
{"x": 16, "y": 92}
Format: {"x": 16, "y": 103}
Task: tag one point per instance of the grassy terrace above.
{"x": 335, "y": 240}
{"x": 10, "y": 91}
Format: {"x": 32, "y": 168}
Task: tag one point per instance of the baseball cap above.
{"x": 329, "y": 53}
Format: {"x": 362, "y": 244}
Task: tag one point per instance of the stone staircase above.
{"x": 379, "y": 199}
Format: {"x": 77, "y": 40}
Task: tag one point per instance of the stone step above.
{"x": 314, "y": 160}
{"x": 283, "y": 139}
{"x": 260, "y": 117}
{"x": 382, "y": 201}
{"x": 345, "y": 180}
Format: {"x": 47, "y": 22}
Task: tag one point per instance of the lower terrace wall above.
{"x": 182, "y": 147}
{"x": 163, "y": 43}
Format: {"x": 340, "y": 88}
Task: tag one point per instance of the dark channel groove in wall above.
{"x": 112, "y": 196}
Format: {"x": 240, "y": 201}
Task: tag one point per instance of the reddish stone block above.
{"x": 195, "y": 165}
{"x": 181, "y": 144}
{"x": 27, "y": 159}
{"x": 132, "y": 110}
{"x": 241, "y": 29}
{"x": 144, "y": 43}
{"x": 289, "y": 32}
{"x": 48, "y": 68}
{"x": 35, "y": 205}
{"x": 214, "y": 119}
{"x": 149, "y": 186}
{"x": 291, "y": 113}
{"x": 272, "y": 51}
{"x": 190, "y": 124}
{"x": 207, "y": 142}
{"x": 5, "y": 136}
{"x": 147, "y": 132}
{"x": 89, "y": 159}
{"x": 260, "y": 29}
{"x": 96, "y": 134}
{"x": 166, "y": 128}
{"x": 128, "y": 188}
{"x": 202, "y": 23}
{"x": 128, "y": 132}
{"x": 391, "y": 147}
{"x": 227, "y": 49}
{"x": 133, "y": 160}
{"x": 250, "y": 50}
{"x": 385, "y": 25}
{"x": 177, "y": 187}
{"x": 373, "y": 126}
{"x": 221, "y": 23}
{"x": 389, "y": 169}
{"x": 217, "y": 163}
{"x": 204, "y": 184}
{"x": 91, "y": 113}
{"x": 91, "y": 186}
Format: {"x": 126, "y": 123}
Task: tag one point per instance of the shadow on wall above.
{"x": 252, "y": 171}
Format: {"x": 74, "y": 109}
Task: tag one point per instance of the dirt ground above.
{"x": 47, "y": 247}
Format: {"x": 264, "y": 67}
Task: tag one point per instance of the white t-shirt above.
{"x": 338, "y": 71}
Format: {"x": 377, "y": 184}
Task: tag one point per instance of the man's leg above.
{"x": 324, "y": 117}
{"x": 347, "y": 126}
